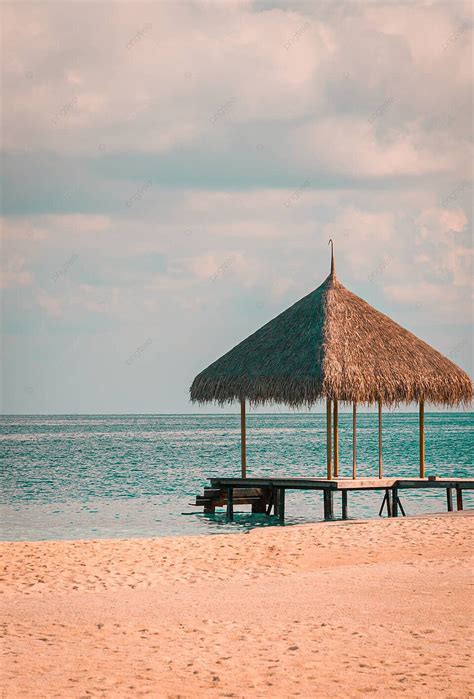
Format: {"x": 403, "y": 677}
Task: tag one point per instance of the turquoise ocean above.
{"x": 117, "y": 476}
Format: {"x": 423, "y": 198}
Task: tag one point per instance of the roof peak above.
{"x": 333, "y": 264}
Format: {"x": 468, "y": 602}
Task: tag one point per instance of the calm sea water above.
{"x": 96, "y": 476}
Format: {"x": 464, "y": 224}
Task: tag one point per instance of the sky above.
{"x": 172, "y": 172}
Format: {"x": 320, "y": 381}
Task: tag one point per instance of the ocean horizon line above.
{"x": 387, "y": 410}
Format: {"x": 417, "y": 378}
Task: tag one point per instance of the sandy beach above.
{"x": 379, "y": 608}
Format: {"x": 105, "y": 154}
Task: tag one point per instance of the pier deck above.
{"x": 268, "y": 493}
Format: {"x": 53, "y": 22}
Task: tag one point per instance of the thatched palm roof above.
{"x": 332, "y": 344}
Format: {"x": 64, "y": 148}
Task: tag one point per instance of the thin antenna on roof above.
{"x": 333, "y": 266}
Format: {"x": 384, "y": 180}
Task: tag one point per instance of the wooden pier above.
{"x": 267, "y": 495}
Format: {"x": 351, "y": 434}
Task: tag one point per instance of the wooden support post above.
{"x": 386, "y": 500}
{"x": 422, "y": 439}
{"x": 399, "y": 503}
{"x": 394, "y": 502}
{"x": 328, "y": 504}
{"x": 354, "y": 440}
{"x": 328, "y": 439}
{"x": 459, "y": 498}
{"x": 230, "y": 503}
{"x": 344, "y": 504}
{"x": 271, "y": 500}
{"x": 383, "y": 503}
{"x": 267, "y": 500}
{"x": 380, "y": 438}
{"x": 389, "y": 504}
{"x": 336, "y": 439}
{"x": 281, "y": 504}
{"x": 449, "y": 499}
{"x": 276, "y": 493}
{"x": 243, "y": 439}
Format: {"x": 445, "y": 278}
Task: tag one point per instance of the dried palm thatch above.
{"x": 332, "y": 344}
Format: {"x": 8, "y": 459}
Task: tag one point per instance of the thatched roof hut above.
{"x": 332, "y": 344}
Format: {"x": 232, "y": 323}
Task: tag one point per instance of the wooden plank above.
{"x": 212, "y": 492}
{"x": 439, "y": 480}
{"x": 256, "y": 481}
{"x": 441, "y": 483}
{"x": 270, "y": 482}
{"x": 310, "y": 483}
{"x": 365, "y": 483}
{"x": 245, "y": 492}
{"x": 459, "y": 502}
{"x": 223, "y": 500}
{"x": 344, "y": 483}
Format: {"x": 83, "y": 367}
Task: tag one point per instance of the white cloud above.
{"x": 14, "y": 272}
{"x": 156, "y": 80}
{"x": 442, "y": 302}
{"x": 79, "y": 223}
{"x": 348, "y": 145}
{"x": 49, "y": 303}
{"x": 443, "y": 247}
{"x": 21, "y": 229}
